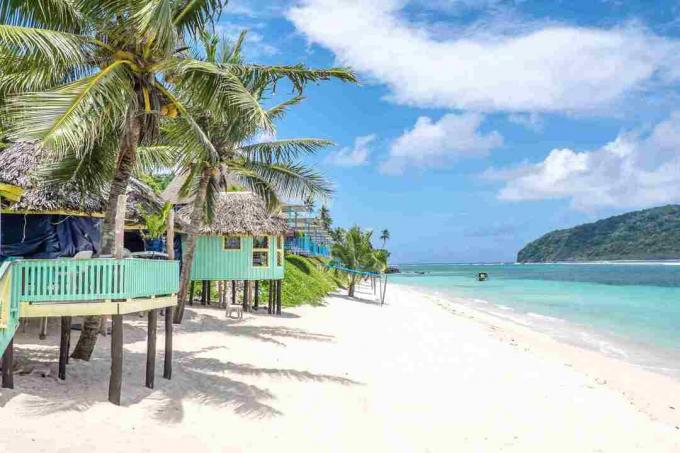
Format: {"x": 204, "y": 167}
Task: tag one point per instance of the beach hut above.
{"x": 42, "y": 227}
{"x": 243, "y": 243}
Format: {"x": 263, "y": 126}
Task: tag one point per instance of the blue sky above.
{"x": 480, "y": 125}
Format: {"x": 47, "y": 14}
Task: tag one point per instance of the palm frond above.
{"x": 62, "y": 15}
{"x": 152, "y": 159}
{"x": 283, "y": 150}
{"x": 191, "y": 16}
{"x": 73, "y": 118}
{"x": 287, "y": 179}
{"x": 153, "y": 21}
{"x": 56, "y": 47}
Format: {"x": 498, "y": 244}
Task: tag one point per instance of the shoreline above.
{"x": 653, "y": 392}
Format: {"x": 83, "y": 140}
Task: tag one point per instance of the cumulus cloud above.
{"x": 549, "y": 68}
{"x": 634, "y": 170}
{"x": 438, "y": 143}
{"x": 354, "y": 156}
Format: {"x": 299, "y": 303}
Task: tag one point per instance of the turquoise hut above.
{"x": 243, "y": 243}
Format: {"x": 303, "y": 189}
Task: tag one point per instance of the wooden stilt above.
{"x": 64, "y": 345}
{"x": 43, "y": 328}
{"x": 7, "y": 364}
{"x": 279, "y": 284}
{"x": 233, "y": 292}
{"x": 167, "y": 368}
{"x": 151, "y": 348}
{"x": 270, "y": 293}
{"x": 116, "y": 379}
{"x": 192, "y": 288}
{"x": 204, "y": 293}
{"x": 246, "y": 289}
{"x": 208, "y": 292}
{"x": 256, "y": 305}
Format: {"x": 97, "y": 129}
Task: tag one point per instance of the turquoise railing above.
{"x": 93, "y": 279}
{"x": 305, "y": 246}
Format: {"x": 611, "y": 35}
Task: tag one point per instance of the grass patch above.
{"x": 308, "y": 282}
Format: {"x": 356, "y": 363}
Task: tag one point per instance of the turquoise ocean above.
{"x": 626, "y": 310}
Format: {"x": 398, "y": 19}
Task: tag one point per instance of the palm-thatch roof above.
{"x": 241, "y": 213}
{"x": 18, "y": 165}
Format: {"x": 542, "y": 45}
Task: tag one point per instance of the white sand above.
{"x": 415, "y": 375}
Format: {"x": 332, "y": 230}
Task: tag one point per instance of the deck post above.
{"x": 167, "y": 368}
{"x": 192, "y": 287}
{"x": 246, "y": 290}
{"x": 256, "y": 305}
{"x": 7, "y": 364}
{"x": 151, "y": 348}
{"x": 64, "y": 344}
{"x": 208, "y": 294}
{"x": 116, "y": 379}
{"x": 279, "y": 284}
{"x": 233, "y": 292}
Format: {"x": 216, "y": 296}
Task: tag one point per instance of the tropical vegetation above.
{"x": 92, "y": 80}
{"x": 650, "y": 234}
{"x": 355, "y": 251}
{"x": 238, "y": 155}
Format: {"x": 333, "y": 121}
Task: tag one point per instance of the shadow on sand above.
{"x": 195, "y": 377}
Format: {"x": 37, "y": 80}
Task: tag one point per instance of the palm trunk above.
{"x": 197, "y": 215}
{"x": 126, "y": 162}
{"x": 352, "y": 284}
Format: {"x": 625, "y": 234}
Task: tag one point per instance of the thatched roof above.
{"x": 18, "y": 165}
{"x": 241, "y": 213}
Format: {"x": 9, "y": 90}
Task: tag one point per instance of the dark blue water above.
{"x": 629, "y": 304}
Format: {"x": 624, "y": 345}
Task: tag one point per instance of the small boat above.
{"x": 482, "y": 276}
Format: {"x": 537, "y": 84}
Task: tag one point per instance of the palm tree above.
{"x": 355, "y": 252}
{"x": 325, "y": 217}
{"x": 112, "y": 68}
{"x": 264, "y": 167}
{"x": 385, "y": 236}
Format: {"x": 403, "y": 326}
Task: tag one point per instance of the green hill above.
{"x": 651, "y": 234}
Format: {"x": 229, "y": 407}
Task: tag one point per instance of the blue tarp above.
{"x": 47, "y": 236}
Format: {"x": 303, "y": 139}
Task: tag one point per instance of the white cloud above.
{"x": 439, "y": 143}
{"x": 531, "y": 121}
{"x": 355, "y": 156}
{"x": 634, "y": 170}
{"x": 548, "y": 68}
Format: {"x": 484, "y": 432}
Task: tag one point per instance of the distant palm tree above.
{"x": 384, "y": 236}
{"x": 354, "y": 251}
{"x": 325, "y": 217}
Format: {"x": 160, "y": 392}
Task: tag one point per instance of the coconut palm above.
{"x": 385, "y": 236}
{"x": 325, "y": 217}
{"x": 266, "y": 167}
{"x": 354, "y": 251}
{"x": 114, "y": 67}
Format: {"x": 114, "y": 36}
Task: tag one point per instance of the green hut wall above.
{"x": 213, "y": 262}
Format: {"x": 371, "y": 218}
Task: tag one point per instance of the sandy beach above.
{"x": 417, "y": 375}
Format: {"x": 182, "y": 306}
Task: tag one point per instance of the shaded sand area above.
{"x": 416, "y": 375}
